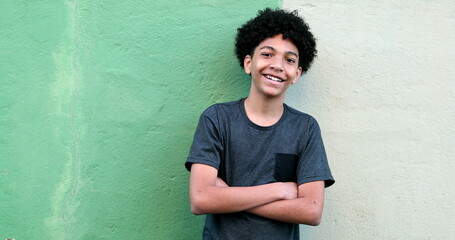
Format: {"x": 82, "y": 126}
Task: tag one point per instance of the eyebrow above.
{"x": 273, "y": 49}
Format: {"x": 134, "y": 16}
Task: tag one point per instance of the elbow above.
{"x": 198, "y": 206}
{"x": 315, "y": 221}
{"x": 312, "y": 217}
{"x": 315, "y": 218}
{"x": 314, "y": 213}
{"x": 201, "y": 201}
{"x": 196, "y": 210}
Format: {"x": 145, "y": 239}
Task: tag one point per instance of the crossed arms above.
{"x": 283, "y": 201}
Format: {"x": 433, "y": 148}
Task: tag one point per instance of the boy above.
{"x": 258, "y": 167}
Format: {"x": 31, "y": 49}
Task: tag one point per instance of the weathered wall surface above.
{"x": 99, "y": 101}
{"x": 98, "y": 106}
{"x": 383, "y": 92}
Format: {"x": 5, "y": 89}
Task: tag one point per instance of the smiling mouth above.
{"x": 275, "y": 79}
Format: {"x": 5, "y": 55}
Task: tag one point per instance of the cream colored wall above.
{"x": 383, "y": 91}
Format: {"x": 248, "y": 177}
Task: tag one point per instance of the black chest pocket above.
{"x": 285, "y": 167}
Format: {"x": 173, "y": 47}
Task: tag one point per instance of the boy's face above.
{"x": 273, "y": 66}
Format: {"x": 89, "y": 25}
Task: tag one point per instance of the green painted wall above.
{"x": 98, "y": 105}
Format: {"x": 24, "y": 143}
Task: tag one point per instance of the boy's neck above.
{"x": 264, "y": 111}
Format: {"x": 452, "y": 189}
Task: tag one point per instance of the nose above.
{"x": 277, "y": 65}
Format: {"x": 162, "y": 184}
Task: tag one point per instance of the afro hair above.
{"x": 269, "y": 23}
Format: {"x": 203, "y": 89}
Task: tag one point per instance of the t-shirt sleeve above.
{"x": 313, "y": 164}
{"x": 206, "y": 147}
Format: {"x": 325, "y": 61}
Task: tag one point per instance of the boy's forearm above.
{"x": 299, "y": 210}
{"x": 306, "y": 209}
{"x": 209, "y": 194}
{"x": 216, "y": 199}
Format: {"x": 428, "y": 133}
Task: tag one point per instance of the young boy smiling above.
{"x": 258, "y": 167}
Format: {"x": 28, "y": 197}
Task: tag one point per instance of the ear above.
{"x": 297, "y": 75}
{"x": 247, "y": 64}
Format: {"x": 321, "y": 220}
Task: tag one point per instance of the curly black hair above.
{"x": 269, "y": 23}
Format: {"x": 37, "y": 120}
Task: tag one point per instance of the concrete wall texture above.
{"x": 99, "y": 102}
{"x": 98, "y": 106}
{"x": 383, "y": 90}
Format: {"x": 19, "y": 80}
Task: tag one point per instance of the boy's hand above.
{"x": 289, "y": 190}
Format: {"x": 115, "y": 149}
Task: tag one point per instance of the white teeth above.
{"x": 273, "y": 78}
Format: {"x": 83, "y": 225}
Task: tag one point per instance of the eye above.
{"x": 266, "y": 54}
{"x": 290, "y": 60}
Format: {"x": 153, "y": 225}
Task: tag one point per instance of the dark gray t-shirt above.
{"x": 247, "y": 154}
